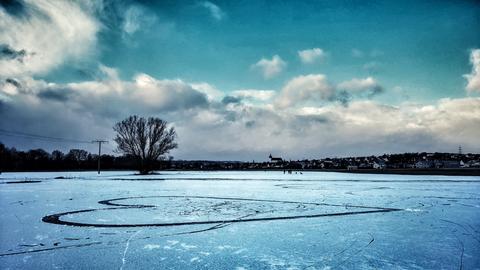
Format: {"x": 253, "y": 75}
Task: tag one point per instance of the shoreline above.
{"x": 445, "y": 172}
{"x": 413, "y": 171}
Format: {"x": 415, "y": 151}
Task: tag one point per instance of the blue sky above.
{"x": 307, "y": 67}
{"x": 403, "y": 41}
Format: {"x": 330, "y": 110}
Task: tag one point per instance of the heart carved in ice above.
{"x": 163, "y": 211}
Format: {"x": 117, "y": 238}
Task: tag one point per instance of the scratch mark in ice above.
{"x": 48, "y": 249}
{"x": 356, "y": 252}
{"x": 466, "y": 229}
{"x": 461, "y": 256}
{"x": 126, "y": 249}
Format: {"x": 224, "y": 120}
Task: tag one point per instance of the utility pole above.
{"x": 99, "y": 151}
{"x": 460, "y": 150}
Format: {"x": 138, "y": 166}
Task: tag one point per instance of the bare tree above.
{"x": 144, "y": 139}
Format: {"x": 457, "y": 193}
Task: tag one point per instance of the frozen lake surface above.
{"x": 238, "y": 220}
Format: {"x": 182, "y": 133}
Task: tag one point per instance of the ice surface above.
{"x": 239, "y": 220}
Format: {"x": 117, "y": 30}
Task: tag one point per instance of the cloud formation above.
{"x": 311, "y": 55}
{"x": 355, "y": 86}
{"x": 252, "y": 94}
{"x": 309, "y": 122}
{"x": 270, "y": 68}
{"x": 8, "y": 53}
{"x": 136, "y": 18}
{"x": 216, "y": 12}
{"x": 473, "y": 79}
{"x": 41, "y": 35}
{"x": 313, "y": 87}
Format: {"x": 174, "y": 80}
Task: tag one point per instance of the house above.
{"x": 424, "y": 164}
{"x": 379, "y": 164}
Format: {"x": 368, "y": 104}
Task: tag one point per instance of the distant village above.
{"x": 386, "y": 161}
{"x": 12, "y": 159}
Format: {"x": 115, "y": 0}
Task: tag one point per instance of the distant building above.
{"x": 379, "y": 165}
{"x": 474, "y": 164}
{"x": 424, "y": 164}
{"x": 275, "y": 159}
{"x": 451, "y": 164}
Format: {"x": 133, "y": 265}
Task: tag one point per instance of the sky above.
{"x": 239, "y": 80}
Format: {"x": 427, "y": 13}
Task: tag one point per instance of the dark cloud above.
{"x": 230, "y": 116}
{"x": 8, "y": 53}
{"x": 13, "y": 7}
{"x": 376, "y": 90}
{"x": 249, "y": 124}
{"x": 56, "y": 94}
{"x": 314, "y": 119}
{"x": 231, "y": 100}
{"x": 343, "y": 97}
{"x": 13, "y": 82}
{"x": 187, "y": 99}
{"x": 49, "y": 119}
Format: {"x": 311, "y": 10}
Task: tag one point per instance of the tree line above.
{"x": 12, "y": 159}
{"x": 143, "y": 143}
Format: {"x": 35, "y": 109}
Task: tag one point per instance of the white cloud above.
{"x": 359, "y": 85}
{"x": 473, "y": 79}
{"x": 216, "y": 12}
{"x": 132, "y": 23}
{"x": 311, "y": 55}
{"x": 270, "y": 68}
{"x": 261, "y": 95}
{"x": 137, "y": 18}
{"x": 49, "y": 33}
{"x": 209, "y": 90}
{"x": 313, "y": 87}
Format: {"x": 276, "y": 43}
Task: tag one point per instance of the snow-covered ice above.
{"x": 238, "y": 220}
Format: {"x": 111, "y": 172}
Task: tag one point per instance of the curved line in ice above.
{"x": 56, "y": 218}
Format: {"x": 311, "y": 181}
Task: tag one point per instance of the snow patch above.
{"x": 187, "y": 247}
{"x": 151, "y": 246}
{"x": 225, "y": 247}
{"x": 413, "y": 210}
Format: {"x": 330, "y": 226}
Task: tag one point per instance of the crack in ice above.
{"x": 126, "y": 249}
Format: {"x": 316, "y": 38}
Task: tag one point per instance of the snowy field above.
{"x": 238, "y": 220}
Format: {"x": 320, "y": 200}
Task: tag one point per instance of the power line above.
{"x": 39, "y": 137}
